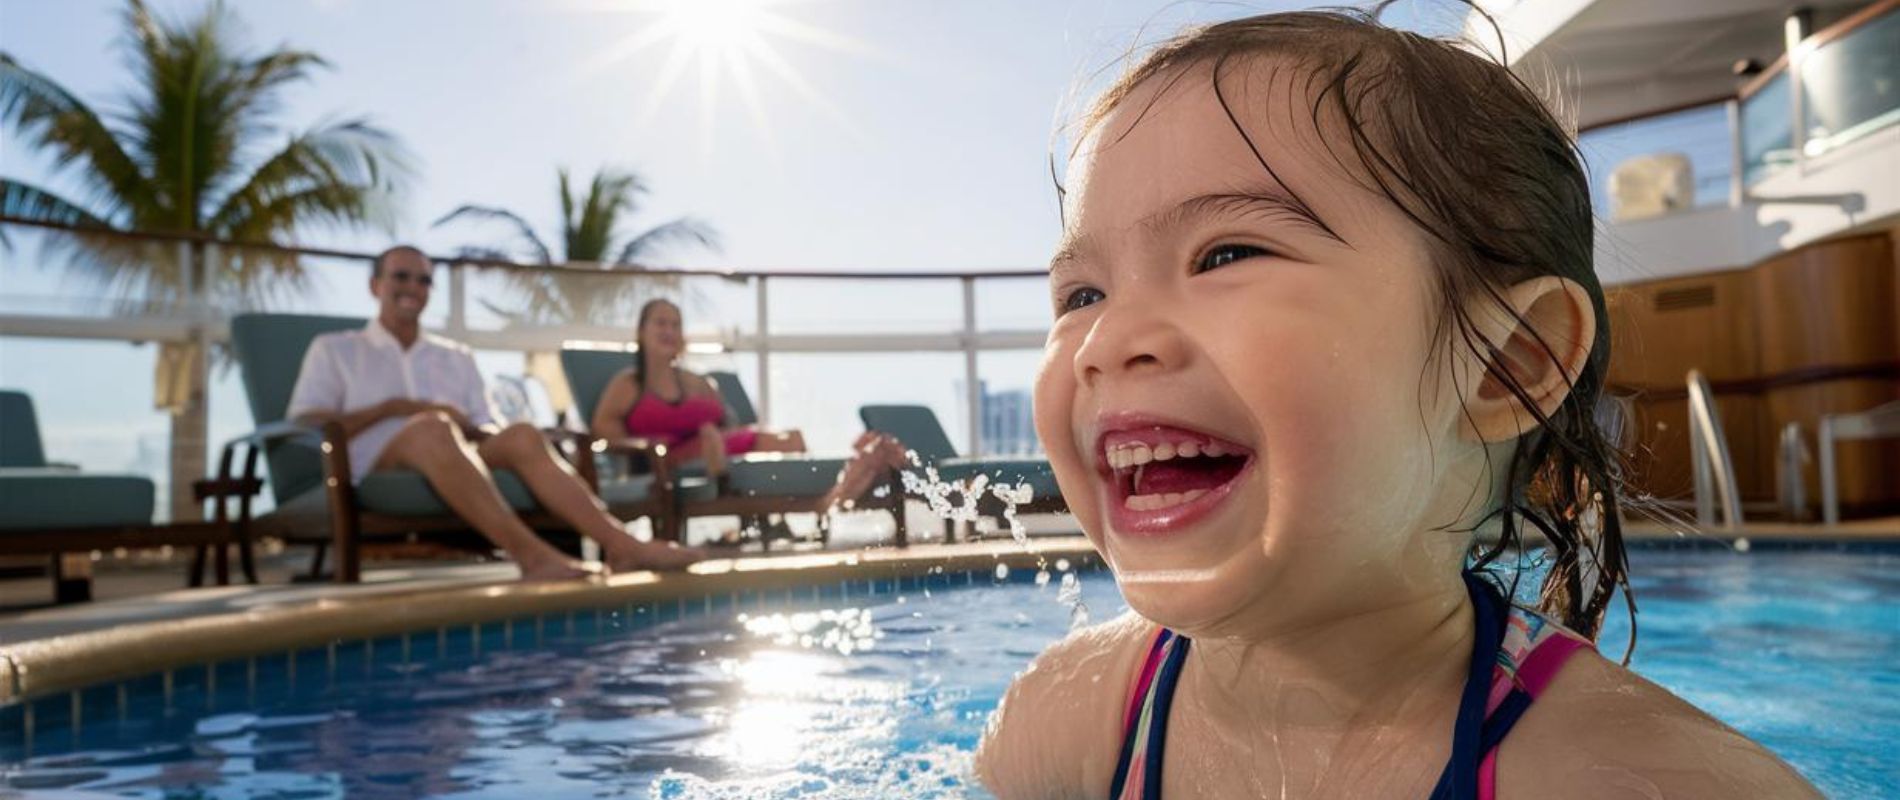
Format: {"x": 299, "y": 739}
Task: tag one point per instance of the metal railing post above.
{"x": 765, "y": 355}
{"x": 458, "y": 302}
{"x": 1736, "y": 164}
{"x": 973, "y": 390}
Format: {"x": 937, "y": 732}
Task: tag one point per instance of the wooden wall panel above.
{"x": 1827, "y": 305}
{"x": 1658, "y": 462}
{"x": 1767, "y": 337}
{"x": 1662, "y": 329}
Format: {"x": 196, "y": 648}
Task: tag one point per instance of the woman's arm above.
{"x": 610, "y": 413}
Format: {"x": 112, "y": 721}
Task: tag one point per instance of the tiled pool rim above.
{"x": 44, "y": 668}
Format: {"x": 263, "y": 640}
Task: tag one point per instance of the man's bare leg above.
{"x": 523, "y": 449}
{"x": 433, "y": 445}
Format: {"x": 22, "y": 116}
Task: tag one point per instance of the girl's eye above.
{"x": 1222, "y": 255}
{"x": 1082, "y": 298}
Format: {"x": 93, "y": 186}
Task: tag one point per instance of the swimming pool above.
{"x": 861, "y": 695}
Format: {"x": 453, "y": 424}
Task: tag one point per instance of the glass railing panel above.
{"x": 93, "y": 401}
{"x": 1005, "y": 412}
{"x": 1850, "y": 87}
{"x": 807, "y": 306}
{"x": 1012, "y": 304}
{"x": 1701, "y": 134}
{"x": 70, "y": 274}
{"x": 820, "y": 393}
{"x": 1767, "y": 130}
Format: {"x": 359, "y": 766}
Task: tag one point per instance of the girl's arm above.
{"x": 1058, "y": 730}
{"x": 610, "y": 413}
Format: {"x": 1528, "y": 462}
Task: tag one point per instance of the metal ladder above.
{"x": 1708, "y": 450}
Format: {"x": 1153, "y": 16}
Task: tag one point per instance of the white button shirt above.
{"x": 351, "y": 370}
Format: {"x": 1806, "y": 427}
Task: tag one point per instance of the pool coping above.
{"x": 39, "y": 668}
{"x": 43, "y": 667}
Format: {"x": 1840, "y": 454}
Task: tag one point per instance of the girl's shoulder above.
{"x": 1600, "y": 730}
{"x": 1058, "y": 728}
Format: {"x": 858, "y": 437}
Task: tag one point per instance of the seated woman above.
{"x": 656, "y": 399}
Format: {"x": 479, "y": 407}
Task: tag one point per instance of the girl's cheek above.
{"x": 1054, "y": 413}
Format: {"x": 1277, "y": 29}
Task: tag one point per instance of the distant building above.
{"x": 1009, "y": 428}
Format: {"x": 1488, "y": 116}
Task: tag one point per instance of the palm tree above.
{"x": 193, "y": 150}
{"x": 590, "y": 238}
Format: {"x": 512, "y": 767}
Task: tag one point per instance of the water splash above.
{"x": 924, "y": 482}
{"x": 1070, "y": 594}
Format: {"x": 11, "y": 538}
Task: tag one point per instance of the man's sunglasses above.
{"x": 418, "y": 278}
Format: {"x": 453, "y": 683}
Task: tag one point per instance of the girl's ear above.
{"x": 1541, "y": 346}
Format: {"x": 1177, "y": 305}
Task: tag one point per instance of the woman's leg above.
{"x": 873, "y": 456}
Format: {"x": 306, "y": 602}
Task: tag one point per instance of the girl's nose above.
{"x": 1131, "y": 339}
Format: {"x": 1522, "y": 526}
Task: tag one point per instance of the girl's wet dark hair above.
{"x": 640, "y": 358}
{"x": 1476, "y": 159}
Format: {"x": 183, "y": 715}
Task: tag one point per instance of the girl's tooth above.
{"x": 1187, "y": 450}
{"x": 1193, "y": 495}
{"x": 1171, "y": 500}
{"x": 1214, "y": 449}
{"x": 1142, "y": 455}
{"x": 1129, "y": 502}
{"x": 1117, "y": 459}
{"x": 1164, "y": 451}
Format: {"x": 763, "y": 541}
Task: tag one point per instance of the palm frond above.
{"x": 48, "y": 118}
{"x": 341, "y": 175}
{"x": 684, "y": 229}
{"x": 523, "y": 230}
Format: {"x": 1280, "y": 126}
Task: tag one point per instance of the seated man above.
{"x": 412, "y": 400}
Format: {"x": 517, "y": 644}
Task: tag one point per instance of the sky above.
{"x": 883, "y": 135}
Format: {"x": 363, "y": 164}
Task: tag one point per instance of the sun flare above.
{"x": 725, "y": 42}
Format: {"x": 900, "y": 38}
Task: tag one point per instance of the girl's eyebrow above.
{"x": 1265, "y": 201}
{"x": 1268, "y": 202}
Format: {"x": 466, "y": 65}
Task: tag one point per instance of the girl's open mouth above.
{"x": 1162, "y": 478}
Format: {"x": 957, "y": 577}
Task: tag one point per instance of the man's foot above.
{"x": 657, "y": 556}
{"x": 556, "y": 567}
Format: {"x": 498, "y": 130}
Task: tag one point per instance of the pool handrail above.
{"x": 1708, "y": 450}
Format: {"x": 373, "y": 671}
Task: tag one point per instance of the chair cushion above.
{"x": 776, "y": 475}
{"x": 694, "y": 489}
{"x": 52, "y": 498}
{"x": 1033, "y": 471}
{"x": 626, "y": 491}
{"x": 405, "y": 493}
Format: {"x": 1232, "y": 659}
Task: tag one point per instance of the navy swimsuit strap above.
{"x": 1472, "y": 737}
{"x": 1459, "y": 781}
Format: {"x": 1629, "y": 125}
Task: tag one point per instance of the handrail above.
{"x": 597, "y": 270}
{"x": 1708, "y": 449}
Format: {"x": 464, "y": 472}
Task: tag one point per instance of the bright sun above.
{"x": 725, "y": 42}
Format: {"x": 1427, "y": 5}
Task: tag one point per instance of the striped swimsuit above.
{"x": 1515, "y": 655}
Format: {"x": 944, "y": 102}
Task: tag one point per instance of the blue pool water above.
{"x": 859, "y": 697}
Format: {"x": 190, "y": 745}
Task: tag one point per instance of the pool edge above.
{"x": 43, "y": 667}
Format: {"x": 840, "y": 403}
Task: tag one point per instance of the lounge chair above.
{"x": 918, "y": 429}
{"x": 318, "y": 504}
{"x": 54, "y": 509}
{"x": 755, "y": 485}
